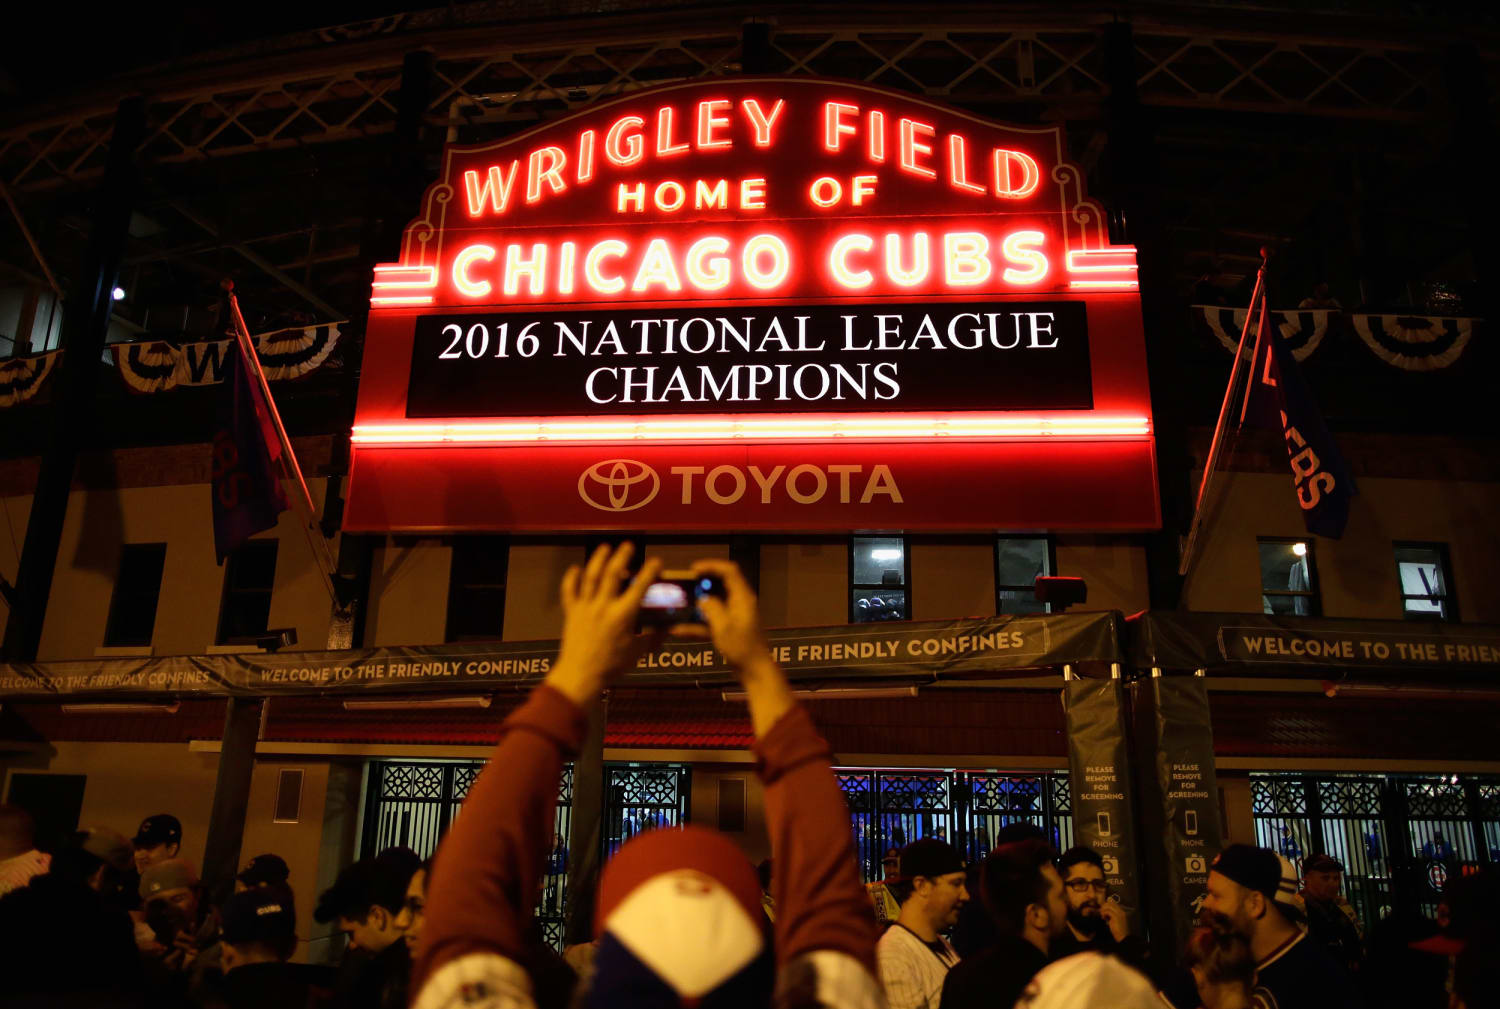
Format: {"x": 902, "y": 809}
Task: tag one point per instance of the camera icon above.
{"x": 1111, "y": 865}
{"x": 1196, "y": 864}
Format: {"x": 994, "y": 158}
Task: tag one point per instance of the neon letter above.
{"x": 838, "y": 261}
{"x": 613, "y": 249}
{"x": 877, "y": 135}
{"x": 921, "y": 260}
{"x": 966, "y": 258}
{"x": 623, "y": 144}
{"x": 826, "y": 191}
{"x": 466, "y": 287}
{"x": 834, "y": 126}
{"x": 586, "y": 155}
{"x": 1017, "y": 249}
{"x": 864, "y": 185}
{"x": 708, "y": 122}
{"x": 495, "y": 191}
{"x": 763, "y": 123}
{"x": 669, "y": 196}
{"x": 911, "y": 147}
{"x": 958, "y": 169}
{"x": 712, "y": 274}
{"x": 1005, "y": 162}
{"x": 781, "y": 262}
{"x": 656, "y": 268}
{"x": 752, "y": 194}
{"x": 557, "y": 160}
{"x": 565, "y": 260}
{"x": 664, "y": 146}
{"x": 534, "y": 268}
{"x": 704, "y": 197}
{"x": 636, "y": 195}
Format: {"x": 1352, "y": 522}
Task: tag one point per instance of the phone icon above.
{"x": 1103, "y": 823}
{"x": 1191, "y": 818}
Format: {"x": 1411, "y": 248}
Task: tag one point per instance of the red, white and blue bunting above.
{"x": 1302, "y": 328}
{"x": 23, "y": 377}
{"x": 152, "y": 366}
{"x": 1414, "y": 342}
{"x": 284, "y": 353}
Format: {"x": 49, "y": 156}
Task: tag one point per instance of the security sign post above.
{"x": 756, "y": 304}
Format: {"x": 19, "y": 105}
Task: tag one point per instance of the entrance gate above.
{"x": 890, "y": 808}
{"x": 1384, "y": 829}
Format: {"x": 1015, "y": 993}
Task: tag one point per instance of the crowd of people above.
{"x": 681, "y": 917}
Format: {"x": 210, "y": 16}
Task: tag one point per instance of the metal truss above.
{"x": 982, "y": 65}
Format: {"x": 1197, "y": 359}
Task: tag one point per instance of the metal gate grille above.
{"x": 891, "y": 808}
{"x": 1383, "y": 828}
{"x": 412, "y": 805}
{"x": 642, "y": 797}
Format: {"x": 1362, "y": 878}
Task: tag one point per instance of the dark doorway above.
{"x": 53, "y": 800}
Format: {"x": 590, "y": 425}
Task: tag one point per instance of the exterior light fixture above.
{"x": 413, "y": 703}
{"x": 118, "y": 294}
{"x": 1300, "y": 549}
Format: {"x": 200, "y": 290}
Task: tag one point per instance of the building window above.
{"x": 132, "y": 608}
{"x": 878, "y": 579}
{"x": 1425, "y": 592}
{"x": 1288, "y": 578}
{"x": 249, "y": 574}
{"x": 1019, "y": 560}
{"x": 476, "y": 588}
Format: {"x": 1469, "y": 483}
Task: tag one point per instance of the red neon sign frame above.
{"x": 776, "y": 191}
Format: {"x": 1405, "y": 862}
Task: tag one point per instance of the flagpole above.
{"x": 1216, "y": 446}
{"x": 322, "y": 555}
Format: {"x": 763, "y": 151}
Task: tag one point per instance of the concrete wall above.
{"x": 408, "y": 592}
{"x": 99, "y": 522}
{"x": 128, "y": 782}
{"x": 298, "y": 843}
{"x": 704, "y": 808}
{"x": 804, "y": 582}
{"x": 1356, "y": 574}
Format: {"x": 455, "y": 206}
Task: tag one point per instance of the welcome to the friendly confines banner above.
{"x": 906, "y": 650}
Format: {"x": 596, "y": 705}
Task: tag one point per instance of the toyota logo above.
{"x": 619, "y": 485}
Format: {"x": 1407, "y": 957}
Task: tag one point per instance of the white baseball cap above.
{"x": 1085, "y": 980}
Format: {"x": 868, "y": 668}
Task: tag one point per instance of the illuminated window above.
{"x": 879, "y": 568}
{"x": 476, "y": 588}
{"x": 249, "y": 574}
{"x": 1425, "y": 585}
{"x": 1288, "y": 578}
{"x": 132, "y": 608}
{"x": 1018, "y": 562}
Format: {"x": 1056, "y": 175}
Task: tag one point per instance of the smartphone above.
{"x": 673, "y": 598}
{"x": 1190, "y": 818}
{"x": 1103, "y": 824}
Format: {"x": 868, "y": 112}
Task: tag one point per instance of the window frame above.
{"x": 1313, "y": 595}
{"x": 1051, "y": 565}
{"x": 1449, "y": 599}
{"x": 504, "y": 543}
{"x": 271, "y": 543}
{"x": 905, "y": 586}
{"x": 112, "y": 619}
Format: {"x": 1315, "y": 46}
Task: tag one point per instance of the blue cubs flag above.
{"x": 1278, "y": 397}
{"x": 246, "y": 487}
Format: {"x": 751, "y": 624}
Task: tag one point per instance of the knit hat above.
{"x": 173, "y": 874}
{"x": 1088, "y": 979}
{"x": 1287, "y": 899}
{"x": 679, "y": 922}
{"x": 931, "y": 858}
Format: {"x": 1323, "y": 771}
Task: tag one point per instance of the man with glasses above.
{"x": 1094, "y": 921}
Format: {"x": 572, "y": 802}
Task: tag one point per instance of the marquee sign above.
{"x": 759, "y": 287}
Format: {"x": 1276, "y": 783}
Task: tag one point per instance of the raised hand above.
{"x": 599, "y": 621}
